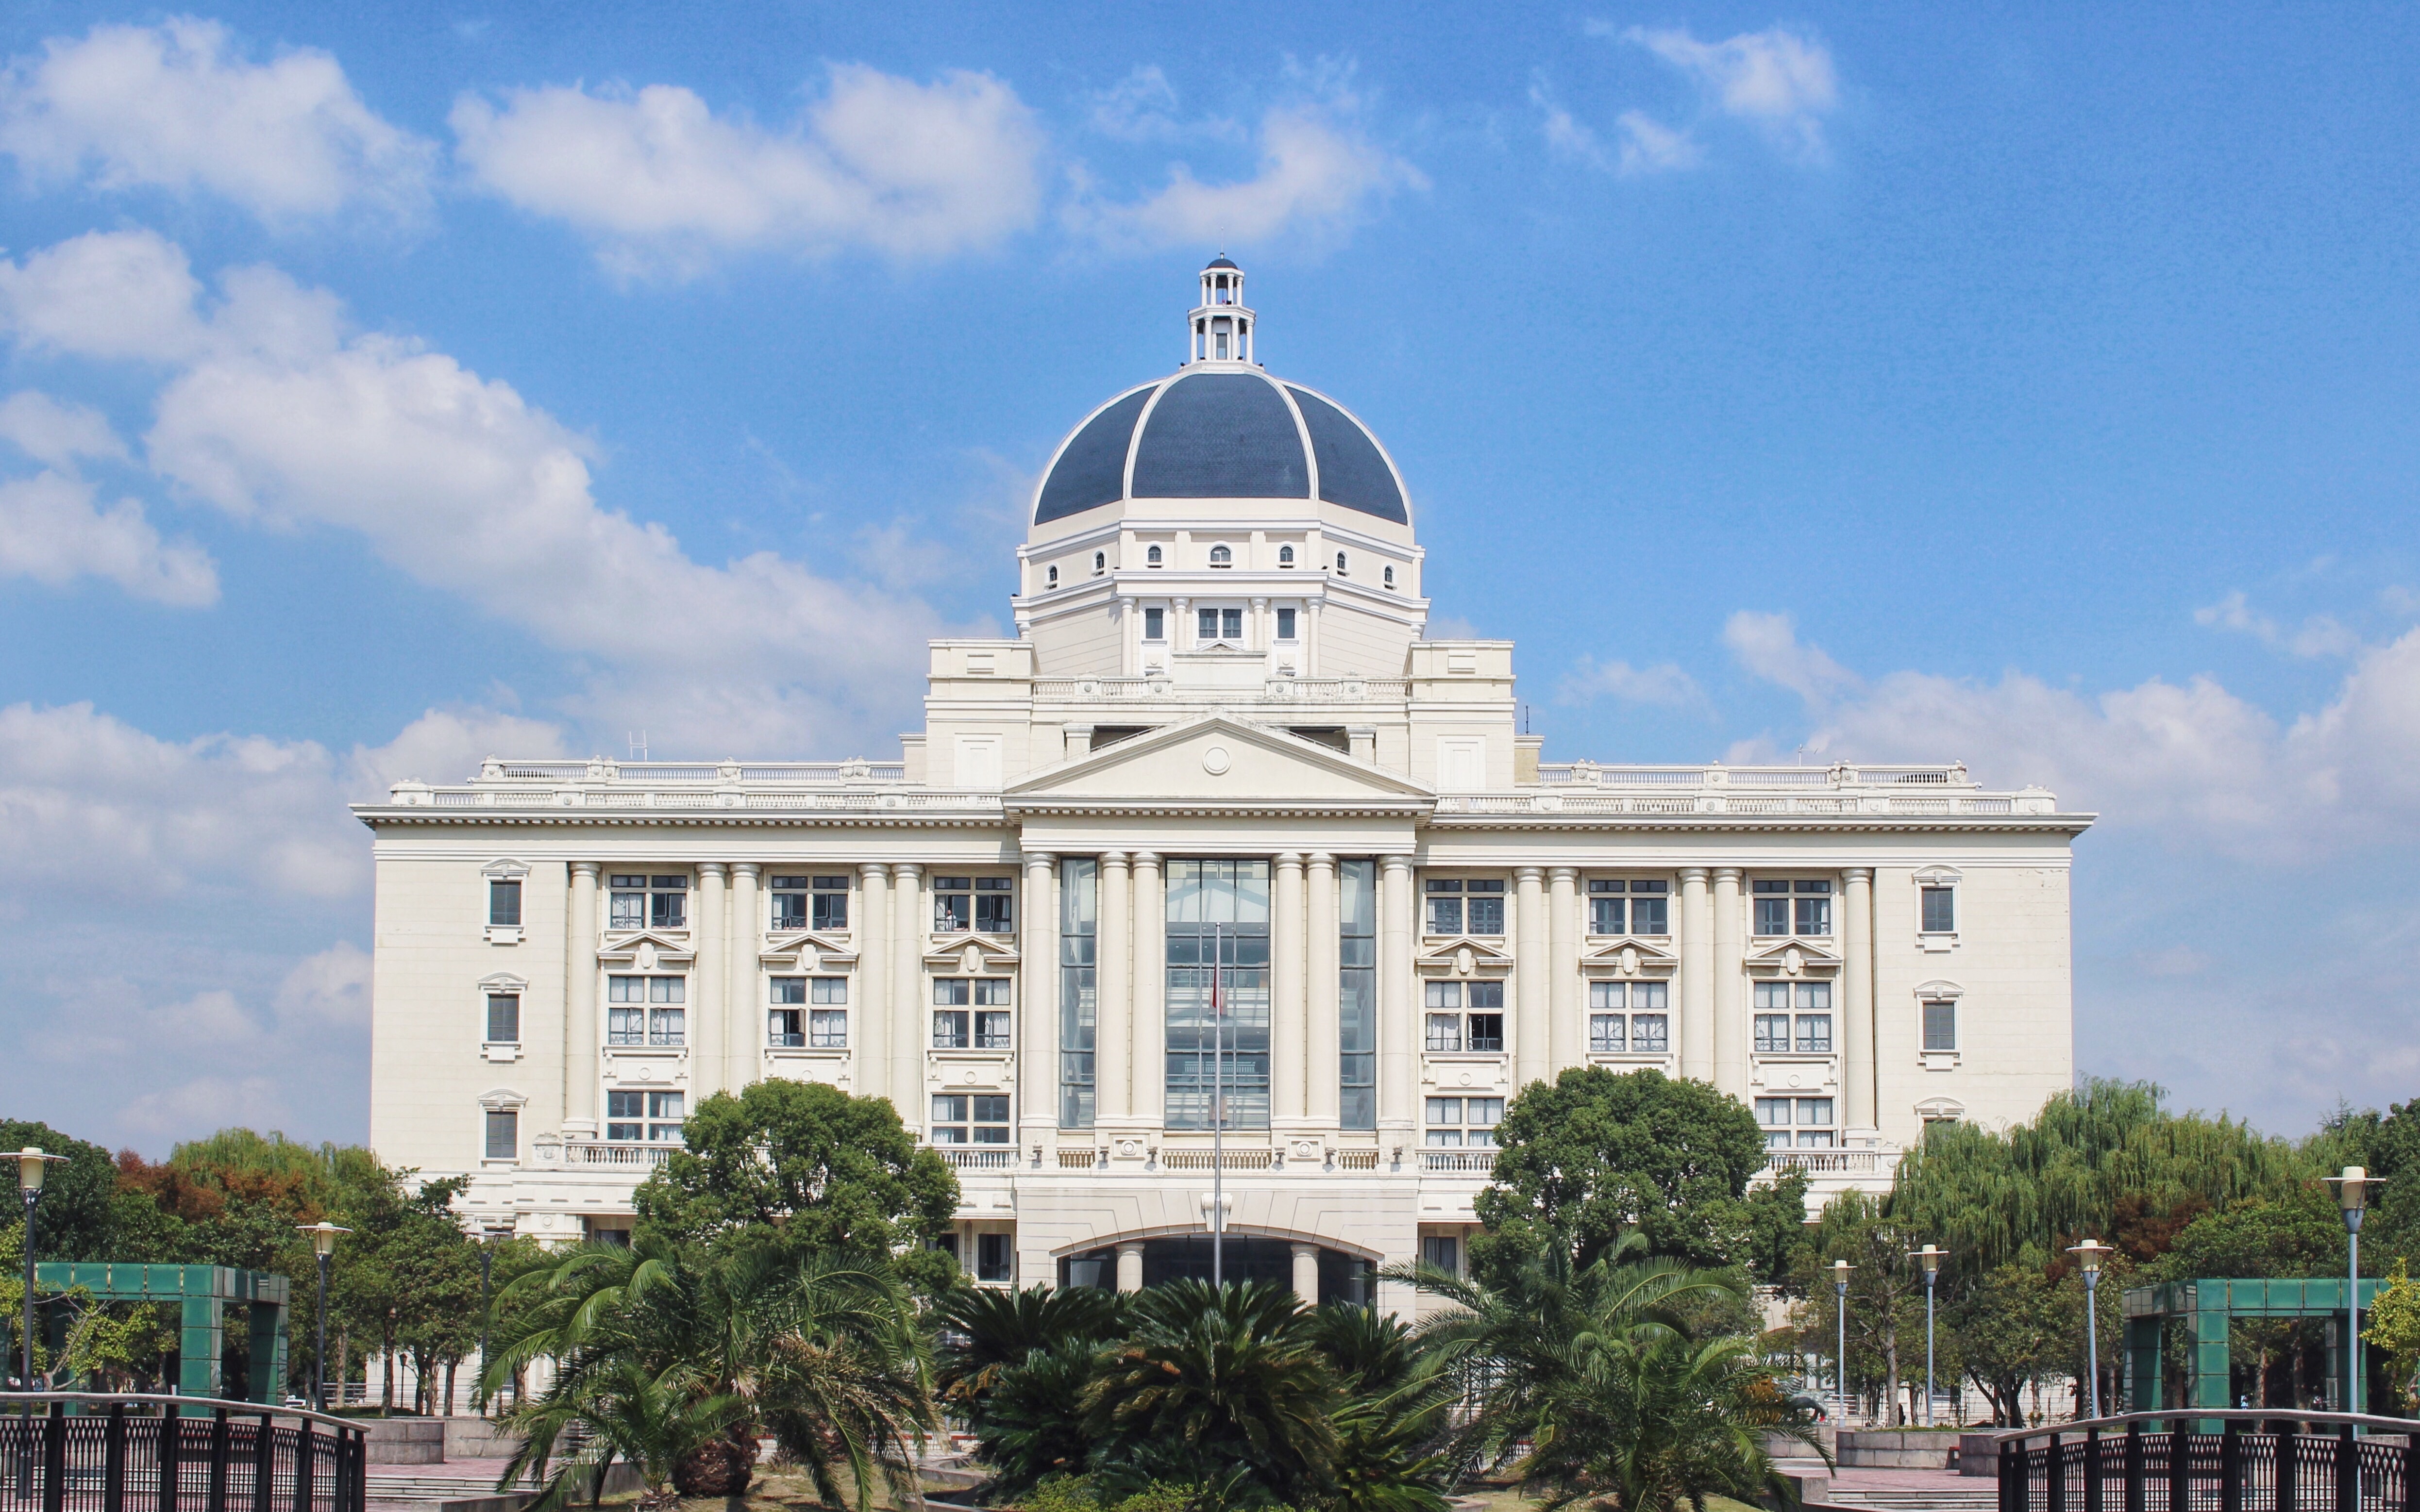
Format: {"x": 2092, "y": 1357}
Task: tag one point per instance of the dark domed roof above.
{"x": 1220, "y": 434}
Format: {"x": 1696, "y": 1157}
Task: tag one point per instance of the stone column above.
{"x": 1130, "y": 1265}
{"x": 1038, "y": 1012}
{"x": 580, "y": 1043}
{"x": 1148, "y": 1045}
{"x": 1567, "y": 1016}
{"x": 1306, "y": 1273}
{"x": 1696, "y": 1008}
{"x": 909, "y": 1010}
{"x": 1398, "y": 1017}
{"x": 1321, "y": 991}
{"x": 706, "y": 1026}
{"x": 872, "y": 1010}
{"x": 1531, "y": 1057}
{"x": 1858, "y": 1039}
{"x": 1180, "y": 635}
{"x": 1289, "y": 1026}
{"x": 1723, "y": 1054}
{"x": 1113, "y": 1030}
{"x": 743, "y": 1036}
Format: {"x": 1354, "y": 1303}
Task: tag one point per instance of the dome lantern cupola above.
{"x": 1220, "y": 327}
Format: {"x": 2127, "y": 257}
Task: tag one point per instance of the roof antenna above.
{"x": 1525, "y": 719}
{"x": 638, "y": 739}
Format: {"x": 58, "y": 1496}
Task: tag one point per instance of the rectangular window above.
{"x": 1445, "y": 904}
{"x": 1633, "y": 1014}
{"x": 810, "y": 903}
{"x": 1772, "y": 1033}
{"x": 1217, "y": 1069}
{"x": 646, "y": 1010}
{"x": 504, "y": 1018}
{"x": 1456, "y": 1121}
{"x": 1285, "y": 624}
{"x": 1651, "y": 1033}
{"x": 1813, "y": 1002}
{"x": 1785, "y": 907}
{"x": 1356, "y": 1017}
{"x": 648, "y": 901}
{"x": 1078, "y": 924}
{"x": 824, "y": 1026}
{"x": 1207, "y": 625}
{"x": 995, "y": 1261}
{"x": 971, "y": 1014}
{"x": 1485, "y": 915}
{"x": 505, "y": 904}
{"x": 1441, "y": 1252}
{"x": 1155, "y": 625}
{"x": 504, "y": 1134}
{"x": 1619, "y": 907}
{"x": 985, "y": 905}
{"x": 1814, "y": 913}
{"x": 1481, "y": 1029}
{"x": 652, "y": 1116}
{"x": 1940, "y": 910}
{"x": 1772, "y": 906}
{"x": 1940, "y": 1025}
{"x": 1805, "y": 1122}
{"x": 963, "y": 1119}
{"x": 1465, "y": 905}
{"x": 789, "y": 894}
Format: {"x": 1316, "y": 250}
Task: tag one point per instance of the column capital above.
{"x": 1396, "y": 863}
{"x": 1180, "y": 603}
{"x": 1039, "y": 860}
{"x": 1562, "y": 875}
{"x": 1145, "y": 859}
{"x": 1693, "y": 873}
{"x": 1319, "y": 860}
{"x": 1729, "y": 874}
{"x": 747, "y": 869}
{"x": 874, "y": 870}
{"x": 1130, "y": 1246}
{"x": 587, "y": 869}
{"x": 1529, "y": 873}
{"x": 1858, "y": 873}
{"x": 906, "y": 871}
{"x": 713, "y": 869}
{"x": 1116, "y": 859}
{"x": 1302, "y": 1250}
{"x": 1289, "y": 859}
{"x": 1260, "y": 601}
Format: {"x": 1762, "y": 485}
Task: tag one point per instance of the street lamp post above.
{"x": 323, "y": 1243}
{"x": 2353, "y": 1195}
{"x": 31, "y": 1164}
{"x": 1931, "y": 1256}
{"x": 2090, "y": 1254}
{"x": 1840, "y": 1270}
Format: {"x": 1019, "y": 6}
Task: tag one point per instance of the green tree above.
{"x": 1885, "y": 1314}
{"x": 656, "y": 1422}
{"x": 810, "y": 1164}
{"x": 2009, "y": 1334}
{"x": 75, "y": 1218}
{"x": 2394, "y": 1328}
{"x": 1593, "y": 1155}
{"x": 985, "y": 1332}
{"x": 1218, "y": 1386}
{"x": 2298, "y": 1233}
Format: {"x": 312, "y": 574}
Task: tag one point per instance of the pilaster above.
{"x": 909, "y": 1011}
{"x": 1857, "y": 989}
{"x": 1037, "y": 1012}
{"x": 1530, "y": 1053}
{"x": 871, "y": 1012}
{"x": 581, "y": 1045}
{"x": 707, "y": 1025}
{"x": 1567, "y": 1018}
{"x": 1322, "y": 989}
{"x": 1114, "y": 1023}
{"x": 1724, "y": 1055}
{"x": 1696, "y": 984}
{"x": 1289, "y": 1027}
{"x": 743, "y": 993}
{"x": 1397, "y": 1022}
{"x": 1149, "y": 1044}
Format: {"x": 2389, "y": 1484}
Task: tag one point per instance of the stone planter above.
{"x": 1898, "y": 1449}
{"x": 405, "y": 1441}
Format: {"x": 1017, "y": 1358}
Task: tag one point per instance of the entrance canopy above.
{"x": 202, "y": 1293}
{"x": 2206, "y": 1307}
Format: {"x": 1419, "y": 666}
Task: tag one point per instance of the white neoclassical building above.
{"x": 1220, "y": 729}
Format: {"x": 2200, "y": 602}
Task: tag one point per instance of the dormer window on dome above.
{"x": 1221, "y": 557}
{"x": 1222, "y": 326}
{"x": 1285, "y": 556}
{"x": 1151, "y": 558}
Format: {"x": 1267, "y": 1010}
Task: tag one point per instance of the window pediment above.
{"x": 1470, "y": 956}
{"x": 1938, "y": 877}
{"x": 505, "y": 870}
{"x": 971, "y": 954}
{"x": 1794, "y": 957}
{"x": 504, "y": 982}
{"x": 647, "y": 946}
{"x": 1937, "y": 990}
{"x": 499, "y": 1098}
{"x": 1631, "y": 956}
{"x": 805, "y": 950}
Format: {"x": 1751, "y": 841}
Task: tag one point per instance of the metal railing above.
{"x": 2173, "y": 1461}
{"x": 83, "y": 1452}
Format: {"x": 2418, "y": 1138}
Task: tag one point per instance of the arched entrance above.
{"x": 1342, "y": 1277}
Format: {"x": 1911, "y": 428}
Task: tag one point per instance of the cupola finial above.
{"x": 1220, "y": 327}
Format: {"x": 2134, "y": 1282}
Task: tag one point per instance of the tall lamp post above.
{"x": 31, "y": 1164}
{"x": 2090, "y": 1254}
{"x": 323, "y": 1243}
{"x": 2353, "y": 1195}
{"x": 1931, "y": 1255}
{"x": 1840, "y": 1270}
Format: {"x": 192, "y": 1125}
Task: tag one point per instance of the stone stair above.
{"x": 1982, "y": 1497}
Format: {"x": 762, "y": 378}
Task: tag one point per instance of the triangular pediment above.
{"x": 1217, "y": 760}
{"x": 971, "y": 953}
{"x": 622, "y": 949}
{"x": 1789, "y": 956}
{"x": 1631, "y": 955}
{"x": 793, "y": 946}
{"x": 1465, "y": 956}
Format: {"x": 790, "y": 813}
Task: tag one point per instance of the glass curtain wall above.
{"x": 1356, "y": 1016}
{"x": 1228, "y": 900}
{"x": 1080, "y": 917}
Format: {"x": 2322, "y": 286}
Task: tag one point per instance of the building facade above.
{"x": 1220, "y": 759}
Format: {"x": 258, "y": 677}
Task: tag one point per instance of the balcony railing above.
{"x": 1232, "y": 1160}
{"x": 1458, "y": 1162}
{"x": 1268, "y": 690}
{"x": 1833, "y": 1162}
{"x": 614, "y": 1152}
{"x": 977, "y": 1160}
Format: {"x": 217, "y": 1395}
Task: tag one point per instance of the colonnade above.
{"x": 1546, "y": 1013}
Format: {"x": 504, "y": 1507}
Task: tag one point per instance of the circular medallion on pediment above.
{"x": 1215, "y": 761}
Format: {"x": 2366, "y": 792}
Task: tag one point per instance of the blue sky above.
{"x": 385, "y": 386}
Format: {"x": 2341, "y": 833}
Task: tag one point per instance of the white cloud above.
{"x": 109, "y": 294}
{"x": 1141, "y": 107}
{"x": 1663, "y": 683}
{"x": 1647, "y": 146}
{"x": 329, "y": 988}
{"x": 53, "y": 530}
{"x": 206, "y": 1103}
{"x": 176, "y": 107}
{"x": 1318, "y": 172}
{"x": 1768, "y": 646}
{"x": 878, "y": 162}
{"x": 55, "y": 434}
{"x": 1775, "y": 79}
{"x": 2320, "y": 635}
{"x": 2192, "y": 763}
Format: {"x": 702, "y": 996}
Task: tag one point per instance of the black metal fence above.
{"x": 67, "y": 1452}
{"x": 2211, "y": 1461}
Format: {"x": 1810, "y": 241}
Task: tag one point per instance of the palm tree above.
{"x": 822, "y": 1352}
{"x": 1221, "y": 1387}
{"x": 983, "y": 1332}
{"x": 655, "y": 1422}
{"x": 1600, "y": 1372}
{"x": 1388, "y": 1457}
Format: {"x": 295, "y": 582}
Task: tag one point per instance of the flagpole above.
{"x": 1218, "y": 1112}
